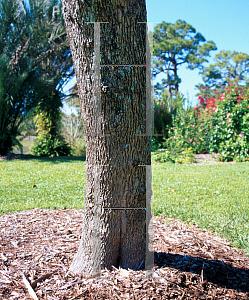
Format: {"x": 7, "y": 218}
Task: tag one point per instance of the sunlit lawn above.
{"x": 60, "y": 182}
{"x": 215, "y": 197}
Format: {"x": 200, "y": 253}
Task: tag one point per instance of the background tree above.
{"x": 229, "y": 67}
{"x": 175, "y": 45}
{"x": 113, "y": 156}
{"x": 34, "y": 61}
{"x": 48, "y": 117}
{"x": 15, "y": 85}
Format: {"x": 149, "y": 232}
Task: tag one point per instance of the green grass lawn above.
{"x": 214, "y": 197}
{"x": 60, "y": 182}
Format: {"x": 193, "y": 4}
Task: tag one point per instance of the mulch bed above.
{"x": 37, "y": 247}
{"x": 209, "y": 159}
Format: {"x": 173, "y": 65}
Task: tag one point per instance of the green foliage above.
{"x": 47, "y": 119}
{"x": 79, "y": 148}
{"x": 27, "y": 143}
{"x": 189, "y": 134}
{"x": 8, "y": 139}
{"x": 49, "y": 142}
{"x": 155, "y": 145}
{"x": 217, "y": 125}
{"x": 14, "y": 81}
{"x": 230, "y": 134}
{"x": 51, "y": 146}
{"x": 175, "y": 155}
{"x": 166, "y": 106}
{"x": 229, "y": 67}
{"x": 34, "y": 60}
{"x": 177, "y": 44}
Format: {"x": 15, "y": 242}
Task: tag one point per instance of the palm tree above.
{"x": 35, "y": 61}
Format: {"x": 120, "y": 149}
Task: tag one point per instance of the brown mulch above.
{"x": 38, "y": 245}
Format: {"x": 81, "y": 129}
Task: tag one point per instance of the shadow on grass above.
{"x": 55, "y": 160}
{"x": 61, "y": 159}
{"x": 214, "y": 271}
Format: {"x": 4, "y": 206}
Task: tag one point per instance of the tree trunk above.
{"x": 113, "y": 117}
{"x": 175, "y": 73}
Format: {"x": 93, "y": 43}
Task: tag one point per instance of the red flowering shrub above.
{"x": 218, "y": 124}
{"x": 227, "y": 114}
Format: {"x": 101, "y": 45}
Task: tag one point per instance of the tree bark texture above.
{"x": 114, "y": 149}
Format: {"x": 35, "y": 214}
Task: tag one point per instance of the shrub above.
{"x": 178, "y": 156}
{"x": 189, "y": 130}
{"x": 230, "y": 134}
{"x": 219, "y": 124}
{"x": 49, "y": 142}
{"x": 46, "y": 145}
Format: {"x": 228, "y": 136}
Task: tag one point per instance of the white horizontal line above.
{"x": 124, "y": 208}
{"x": 95, "y": 22}
{"x": 123, "y": 65}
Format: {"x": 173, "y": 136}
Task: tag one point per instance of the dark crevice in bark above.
{"x": 119, "y": 256}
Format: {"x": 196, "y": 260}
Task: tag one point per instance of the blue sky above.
{"x": 225, "y": 22}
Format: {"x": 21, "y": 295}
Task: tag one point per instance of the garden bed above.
{"x": 206, "y": 159}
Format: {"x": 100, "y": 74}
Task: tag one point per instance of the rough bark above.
{"x": 114, "y": 151}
